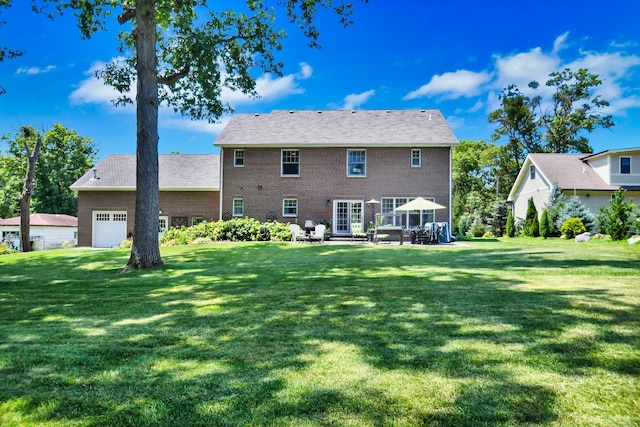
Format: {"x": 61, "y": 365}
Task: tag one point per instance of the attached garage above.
{"x": 109, "y": 228}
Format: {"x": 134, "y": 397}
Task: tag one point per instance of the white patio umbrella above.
{"x": 420, "y": 204}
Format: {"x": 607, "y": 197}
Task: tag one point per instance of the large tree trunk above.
{"x": 145, "y": 252}
{"x": 27, "y": 191}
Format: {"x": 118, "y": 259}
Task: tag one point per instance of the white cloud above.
{"x": 95, "y": 91}
{"x": 31, "y": 71}
{"x": 560, "y": 43}
{"x": 452, "y": 85}
{"x": 354, "y": 100}
{"x": 270, "y": 88}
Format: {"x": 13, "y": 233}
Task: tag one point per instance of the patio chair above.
{"x": 357, "y": 232}
{"x": 317, "y": 235}
{"x": 380, "y": 236}
{"x": 296, "y": 232}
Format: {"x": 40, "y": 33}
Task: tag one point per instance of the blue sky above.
{"x": 455, "y": 56}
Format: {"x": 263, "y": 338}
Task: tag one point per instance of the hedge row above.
{"x": 236, "y": 230}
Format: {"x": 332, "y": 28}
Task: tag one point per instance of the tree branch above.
{"x": 171, "y": 79}
{"x": 126, "y": 15}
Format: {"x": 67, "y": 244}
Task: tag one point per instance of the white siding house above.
{"x": 47, "y": 231}
{"x": 592, "y": 177}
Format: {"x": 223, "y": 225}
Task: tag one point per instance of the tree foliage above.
{"x": 573, "y": 111}
{"x": 574, "y": 208}
{"x": 64, "y": 157}
{"x": 532, "y": 224}
{"x": 545, "y": 224}
{"x": 533, "y": 125}
{"x": 555, "y": 204}
{"x": 184, "y": 53}
{"x": 511, "y": 226}
{"x": 618, "y": 216}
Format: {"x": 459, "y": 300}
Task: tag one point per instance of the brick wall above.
{"x": 323, "y": 177}
{"x": 188, "y": 204}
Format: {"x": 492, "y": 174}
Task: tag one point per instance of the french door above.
{"x": 344, "y": 213}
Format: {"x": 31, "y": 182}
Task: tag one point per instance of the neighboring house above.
{"x": 189, "y": 193}
{"x": 47, "y": 231}
{"x": 592, "y": 177}
{"x": 295, "y": 166}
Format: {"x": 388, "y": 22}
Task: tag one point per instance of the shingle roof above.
{"x": 176, "y": 172}
{"x": 569, "y": 171}
{"x": 43, "y": 219}
{"x": 339, "y": 128}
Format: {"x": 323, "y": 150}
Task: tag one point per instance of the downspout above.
{"x": 451, "y": 189}
{"x": 221, "y": 183}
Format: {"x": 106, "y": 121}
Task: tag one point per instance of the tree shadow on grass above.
{"x": 242, "y": 335}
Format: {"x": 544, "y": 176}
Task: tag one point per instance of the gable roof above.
{"x": 176, "y": 172}
{"x": 339, "y": 128}
{"x": 44, "y": 219}
{"x": 570, "y": 171}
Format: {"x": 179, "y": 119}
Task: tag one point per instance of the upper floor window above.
{"x": 290, "y": 207}
{"x": 290, "y": 163}
{"x": 532, "y": 172}
{"x": 238, "y": 207}
{"x": 238, "y": 158}
{"x": 625, "y": 165}
{"x": 416, "y": 158}
{"x": 356, "y": 163}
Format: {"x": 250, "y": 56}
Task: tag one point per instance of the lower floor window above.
{"x": 410, "y": 219}
{"x": 238, "y": 207}
{"x": 197, "y": 220}
{"x": 290, "y": 207}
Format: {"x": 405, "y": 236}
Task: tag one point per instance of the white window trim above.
{"x": 235, "y": 158}
{"x": 349, "y": 174}
{"x": 419, "y": 151}
{"x": 282, "y": 174}
{"x": 620, "y": 165}
{"x": 284, "y": 213}
{"x": 233, "y": 207}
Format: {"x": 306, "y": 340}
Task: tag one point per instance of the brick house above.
{"x": 295, "y": 166}
{"x": 594, "y": 178}
{"x": 189, "y": 193}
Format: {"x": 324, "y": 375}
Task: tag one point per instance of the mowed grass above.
{"x": 501, "y": 332}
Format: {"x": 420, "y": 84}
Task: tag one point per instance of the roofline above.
{"x": 80, "y": 188}
{"x": 612, "y": 151}
{"x": 338, "y": 145}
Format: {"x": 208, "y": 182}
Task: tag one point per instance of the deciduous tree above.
{"x": 573, "y": 111}
{"x": 184, "y": 53}
{"x": 31, "y": 141}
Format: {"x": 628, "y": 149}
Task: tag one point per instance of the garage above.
{"x": 109, "y": 228}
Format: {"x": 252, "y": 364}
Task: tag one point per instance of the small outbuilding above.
{"x": 47, "y": 231}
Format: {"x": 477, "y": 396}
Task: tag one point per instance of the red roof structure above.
{"x": 44, "y": 219}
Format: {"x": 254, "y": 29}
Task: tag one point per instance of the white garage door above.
{"x": 109, "y": 228}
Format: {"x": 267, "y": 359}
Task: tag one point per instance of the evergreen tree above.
{"x": 531, "y": 225}
{"x": 555, "y": 204}
{"x": 545, "y": 226}
{"x": 618, "y": 216}
{"x": 499, "y": 214}
{"x": 511, "y": 227}
{"x": 574, "y": 208}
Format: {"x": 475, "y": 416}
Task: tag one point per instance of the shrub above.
{"x": 572, "y": 227}
{"x": 511, "y": 226}
{"x": 617, "y": 217}
{"x": 531, "y": 223}
{"x": 236, "y": 229}
{"x": 574, "y": 208}
{"x": 478, "y": 230}
{"x": 5, "y": 250}
{"x": 464, "y": 224}
{"x": 545, "y": 228}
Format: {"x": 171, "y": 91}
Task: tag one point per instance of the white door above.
{"x": 109, "y": 228}
{"x": 344, "y": 213}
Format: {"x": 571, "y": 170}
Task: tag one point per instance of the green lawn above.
{"x": 492, "y": 332}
